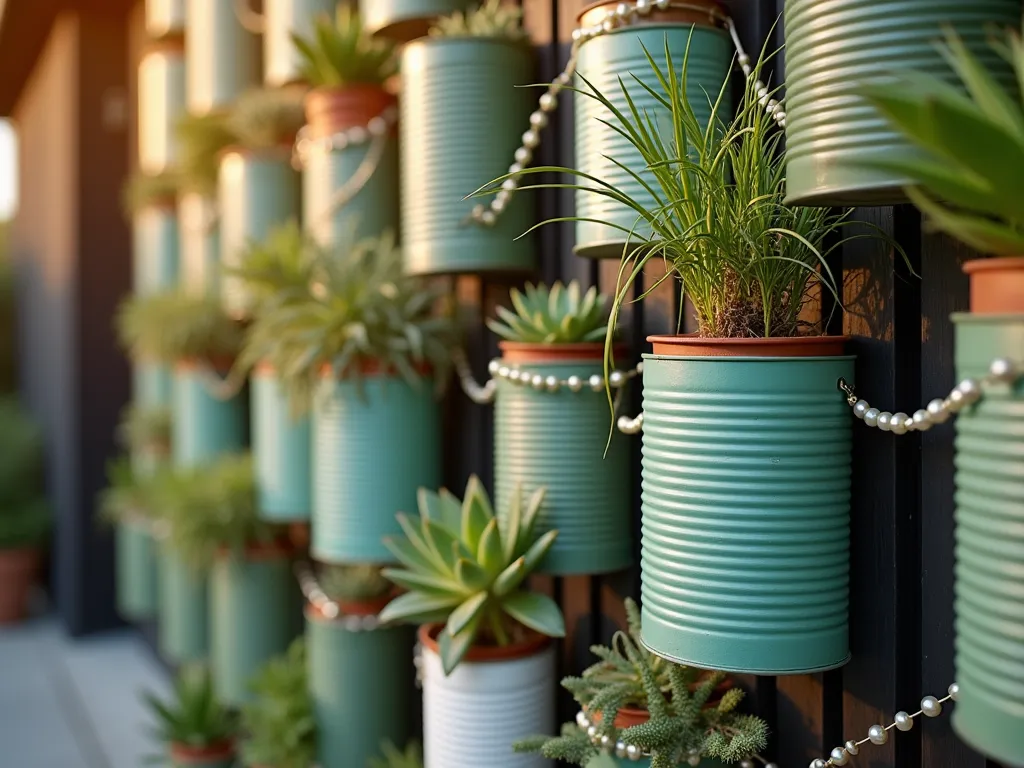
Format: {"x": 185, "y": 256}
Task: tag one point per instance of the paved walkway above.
{"x": 74, "y": 704}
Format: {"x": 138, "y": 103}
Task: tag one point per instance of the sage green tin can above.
{"x": 406, "y": 19}
{"x": 835, "y": 48}
{"x": 152, "y": 384}
{"x": 281, "y": 447}
{"x": 199, "y": 239}
{"x": 161, "y": 94}
{"x": 362, "y": 682}
{"x": 222, "y": 59}
{"x": 155, "y": 249}
{"x": 204, "y": 427}
{"x": 462, "y": 119}
{"x": 253, "y": 602}
{"x": 989, "y": 587}
{"x": 745, "y": 552}
{"x": 557, "y": 440}
{"x": 282, "y": 19}
{"x": 603, "y": 61}
{"x": 257, "y": 191}
{"x": 372, "y": 451}
{"x": 137, "y": 595}
{"x": 183, "y": 627}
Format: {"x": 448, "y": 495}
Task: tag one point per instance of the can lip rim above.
{"x": 692, "y": 345}
{"x": 533, "y": 645}
{"x": 716, "y": 10}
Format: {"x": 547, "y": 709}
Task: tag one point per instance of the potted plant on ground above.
{"x": 550, "y": 426}
{"x": 24, "y": 510}
{"x": 968, "y": 150}
{"x": 363, "y": 348}
{"x": 257, "y": 187}
{"x": 150, "y": 201}
{"x": 223, "y": 57}
{"x": 462, "y": 122}
{"x": 197, "y": 730}
{"x": 278, "y": 723}
{"x": 639, "y": 708}
{"x": 350, "y": 652}
{"x": 348, "y": 149}
{"x": 481, "y": 630}
{"x": 406, "y": 20}
{"x": 213, "y": 526}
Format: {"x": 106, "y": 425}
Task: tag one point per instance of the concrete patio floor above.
{"x": 74, "y": 703}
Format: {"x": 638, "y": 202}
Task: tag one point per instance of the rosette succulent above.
{"x": 561, "y": 314}
{"x": 492, "y": 18}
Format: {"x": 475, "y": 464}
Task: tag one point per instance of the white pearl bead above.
{"x": 581, "y": 719}
{"x": 357, "y": 134}
{"x": 643, "y": 7}
{"x": 620, "y": 749}
{"x": 502, "y": 196}
{"x": 744, "y": 763}
{"x": 487, "y": 218}
{"x": 662, "y": 4}
{"x": 563, "y": 79}
{"x": 548, "y": 102}
{"x": 498, "y": 205}
{"x": 515, "y": 168}
{"x": 537, "y": 381}
{"x": 378, "y": 126}
{"x": 596, "y": 383}
{"x": 592, "y": 732}
{"x": 531, "y": 139}
{"x": 883, "y": 420}
{"x": 513, "y": 375}
{"x": 871, "y": 417}
{"x": 606, "y": 741}
{"x": 623, "y": 10}
{"x": 955, "y": 401}
{"x": 552, "y": 383}
{"x": 577, "y": 35}
{"x": 492, "y": 367}
{"x": 575, "y": 383}
{"x": 971, "y": 391}
{"x": 524, "y": 156}
{"x": 633, "y": 752}
{"x": 922, "y": 420}
{"x": 538, "y": 119}
{"x": 640, "y": 367}
{"x": 860, "y": 408}
{"x": 509, "y": 184}
{"x": 1002, "y": 369}
{"x": 931, "y": 707}
{"x": 898, "y": 423}
{"x": 954, "y": 692}
{"x": 839, "y": 756}
{"x": 615, "y": 378}
{"x": 937, "y": 411}
{"x": 878, "y": 735}
{"x": 904, "y": 722}
{"x": 608, "y": 24}
{"x": 337, "y": 141}
{"x": 744, "y": 60}
{"x": 852, "y": 748}
{"x": 817, "y": 763}
{"x": 478, "y": 210}
{"x": 503, "y": 372}
{"x": 771, "y": 765}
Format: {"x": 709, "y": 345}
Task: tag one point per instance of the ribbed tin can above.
{"x": 183, "y": 628}
{"x": 222, "y": 58}
{"x": 745, "y": 548}
{"x": 370, "y": 212}
{"x": 362, "y": 683}
{"x": 253, "y": 602}
{"x": 199, "y": 241}
{"x": 161, "y": 90}
{"x": 257, "y": 191}
{"x": 462, "y": 119}
{"x": 390, "y": 430}
{"x": 203, "y": 427}
{"x": 832, "y": 49}
{"x": 152, "y": 384}
{"x": 155, "y": 249}
{"x": 472, "y": 717}
{"x": 282, "y": 19}
{"x": 281, "y": 446}
{"x": 557, "y": 440}
{"x": 604, "y": 61}
{"x": 990, "y": 543}
{"x": 406, "y": 19}
{"x": 165, "y": 17}
{"x": 136, "y": 571}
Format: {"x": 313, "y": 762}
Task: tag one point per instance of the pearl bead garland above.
{"x": 966, "y": 393}
{"x": 329, "y": 608}
{"x": 621, "y": 15}
{"x": 376, "y": 128}
{"x": 879, "y": 735}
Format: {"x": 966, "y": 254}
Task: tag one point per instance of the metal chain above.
{"x": 327, "y": 607}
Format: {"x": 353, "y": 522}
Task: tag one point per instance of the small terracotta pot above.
{"x": 997, "y": 285}
{"x": 353, "y": 607}
{"x": 215, "y": 754}
{"x": 698, "y": 12}
{"x": 329, "y": 110}
{"x": 534, "y": 643}
{"x": 18, "y": 568}
{"x": 525, "y": 352}
{"x": 691, "y": 345}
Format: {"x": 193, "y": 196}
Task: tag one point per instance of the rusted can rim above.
{"x": 708, "y": 13}
{"x": 533, "y": 645}
{"x": 531, "y": 352}
{"x": 994, "y": 264}
{"x": 692, "y": 345}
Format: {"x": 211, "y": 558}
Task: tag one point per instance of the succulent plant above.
{"x": 264, "y": 118}
{"x": 493, "y": 18}
{"x": 555, "y": 315}
{"x": 393, "y": 757}
{"x": 145, "y": 428}
{"x": 462, "y": 569}
{"x": 201, "y": 139}
{"x": 128, "y": 496}
{"x": 194, "y": 717}
{"x": 279, "y": 267}
{"x": 172, "y": 326}
{"x": 341, "y": 52}
{"x": 25, "y": 514}
{"x": 143, "y": 190}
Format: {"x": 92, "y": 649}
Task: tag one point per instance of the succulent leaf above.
{"x": 555, "y": 315}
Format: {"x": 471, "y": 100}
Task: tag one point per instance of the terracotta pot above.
{"x": 352, "y": 607}
{"x": 212, "y": 756}
{"x": 18, "y": 569}
{"x": 691, "y": 345}
{"x": 523, "y": 352}
{"x": 329, "y": 110}
{"x": 534, "y": 643}
{"x": 997, "y": 285}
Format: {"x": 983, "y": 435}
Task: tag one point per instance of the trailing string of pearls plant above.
{"x": 623, "y": 15}
{"x": 328, "y": 608}
{"x": 967, "y": 392}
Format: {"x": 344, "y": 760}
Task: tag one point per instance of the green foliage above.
{"x": 558, "y": 315}
{"x": 201, "y": 139}
{"x": 145, "y": 428}
{"x": 359, "y": 309}
{"x": 412, "y": 757}
{"x": 461, "y": 568}
{"x": 354, "y": 583}
{"x": 24, "y": 511}
{"x": 681, "y": 722}
{"x": 143, "y": 190}
{"x": 342, "y": 53}
{"x": 493, "y": 18}
{"x": 265, "y": 118}
{"x": 172, "y": 326}
{"x": 128, "y": 496}
{"x": 194, "y": 717}
{"x": 970, "y": 146}
{"x": 211, "y": 507}
{"x": 279, "y": 725}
